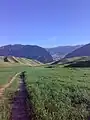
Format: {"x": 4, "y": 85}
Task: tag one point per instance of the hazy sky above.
{"x": 45, "y": 22}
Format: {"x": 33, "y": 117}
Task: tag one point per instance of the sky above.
{"x": 47, "y": 23}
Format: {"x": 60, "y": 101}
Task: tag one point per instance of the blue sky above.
{"x": 46, "y": 23}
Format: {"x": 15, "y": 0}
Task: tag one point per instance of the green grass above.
{"x": 60, "y": 93}
{"x": 56, "y": 93}
{"x": 5, "y": 101}
{"x": 6, "y": 73}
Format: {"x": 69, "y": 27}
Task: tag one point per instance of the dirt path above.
{"x": 19, "y": 106}
{"x": 7, "y": 85}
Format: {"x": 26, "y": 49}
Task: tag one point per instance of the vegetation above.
{"x": 5, "y": 59}
{"x": 6, "y": 74}
{"x": 56, "y": 93}
{"x": 80, "y": 64}
{"x": 71, "y": 60}
{"x": 60, "y": 93}
{"x": 6, "y": 100}
{"x": 17, "y": 61}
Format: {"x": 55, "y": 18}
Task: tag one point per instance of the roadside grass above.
{"x": 59, "y": 93}
{"x": 6, "y": 100}
{"x": 5, "y": 75}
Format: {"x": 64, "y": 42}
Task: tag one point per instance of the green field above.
{"x": 60, "y": 93}
{"x": 57, "y": 93}
{"x": 6, "y": 74}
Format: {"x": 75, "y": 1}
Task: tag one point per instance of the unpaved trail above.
{"x": 20, "y": 104}
{"x": 2, "y": 89}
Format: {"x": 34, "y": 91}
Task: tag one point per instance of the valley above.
{"x": 45, "y": 60}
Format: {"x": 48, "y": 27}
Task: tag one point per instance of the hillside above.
{"x": 79, "y": 64}
{"x": 83, "y": 51}
{"x": 26, "y": 51}
{"x": 71, "y": 60}
{"x": 61, "y": 51}
{"x": 11, "y": 60}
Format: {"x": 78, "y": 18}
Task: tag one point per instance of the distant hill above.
{"x": 26, "y": 51}
{"x": 79, "y": 64}
{"x": 11, "y": 60}
{"x": 61, "y": 51}
{"x": 83, "y": 51}
{"x": 73, "y": 60}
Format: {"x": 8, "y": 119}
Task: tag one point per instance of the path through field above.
{"x": 20, "y": 104}
{"x": 2, "y": 89}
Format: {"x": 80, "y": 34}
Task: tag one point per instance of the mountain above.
{"x": 83, "y": 51}
{"x": 61, "y": 51}
{"x": 26, "y": 51}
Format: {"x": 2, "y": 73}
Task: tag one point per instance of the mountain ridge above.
{"x": 60, "y": 51}
{"x": 82, "y": 51}
{"x": 27, "y": 51}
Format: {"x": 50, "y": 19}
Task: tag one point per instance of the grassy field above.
{"x": 56, "y": 93}
{"x": 6, "y": 73}
{"x": 60, "y": 93}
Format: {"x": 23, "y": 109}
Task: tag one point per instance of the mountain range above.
{"x": 82, "y": 51}
{"x": 61, "y": 51}
{"x": 26, "y": 51}
{"x": 45, "y": 55}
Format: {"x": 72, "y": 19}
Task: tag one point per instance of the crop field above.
{"x": 56, "y": 93}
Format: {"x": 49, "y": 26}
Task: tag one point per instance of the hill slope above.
{"x": 26, "y": 51}
{"x": 83, "y": 51}
{"x": 11, "y": 60}
{"x": 61, "y": 51}
{"x": 71, "y": 60}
